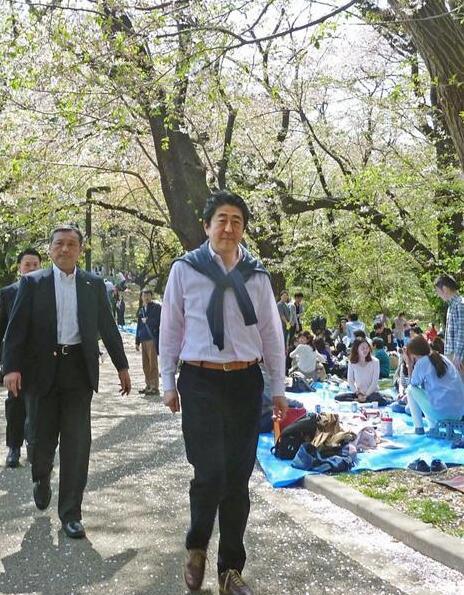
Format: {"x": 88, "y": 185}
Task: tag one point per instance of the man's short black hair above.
{"x": 446, "y": 281}
{"x": 359, "y": 334}
{"x": 353, "y": 316}
{"x": 378, "y": 343}
{"x": 378, "y": 325}
{"x": 298, "y": 294}
{"x": 147, "y": 291}
{"x": 28, "y": 252}
{"x": 224, "y": 197}
{"x": 66, "y": 228}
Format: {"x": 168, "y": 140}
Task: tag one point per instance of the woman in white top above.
{"x": 363, "y": 376}
{"x": 305, "y": 356}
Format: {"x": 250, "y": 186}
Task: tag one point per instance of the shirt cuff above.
{"x": 277, "y": 388}
{"x": 169, "y": 382}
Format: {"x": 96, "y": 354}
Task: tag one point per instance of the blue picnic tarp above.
{"x": 409, "y": 446}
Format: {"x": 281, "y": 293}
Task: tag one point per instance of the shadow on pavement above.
{"x": 42, "y": 566}
{"x": 128, "y": 430}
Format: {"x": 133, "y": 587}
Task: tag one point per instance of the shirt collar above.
{"x": 218, "y": 257}
{"x": 455, "y": 298}
{"x": 59, "y": 274}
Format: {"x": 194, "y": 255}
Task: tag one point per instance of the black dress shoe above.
{"x": 74, "y": 529}
{"x": 12, "y": 458}
{"x": 42, "y": 493}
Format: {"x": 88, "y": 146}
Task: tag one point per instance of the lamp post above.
{"x": 88, "y": 222}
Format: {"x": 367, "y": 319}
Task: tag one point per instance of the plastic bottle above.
{"x": 386, "y": 424}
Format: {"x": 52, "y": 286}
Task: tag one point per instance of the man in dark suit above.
{"x": 15, "y": 412}
{"x": 51, "y": 353}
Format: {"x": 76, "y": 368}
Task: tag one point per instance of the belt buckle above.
{"x": 64, "y": 350}
{"x": 226, "y": 367}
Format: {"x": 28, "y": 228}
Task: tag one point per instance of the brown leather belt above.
{"x": 225, "y": 367}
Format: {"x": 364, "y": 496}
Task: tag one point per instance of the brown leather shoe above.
{"x": 194, "y": 569}
{"x": 232, "y": 583}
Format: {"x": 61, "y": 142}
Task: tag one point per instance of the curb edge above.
{"x": 446, "y": 549}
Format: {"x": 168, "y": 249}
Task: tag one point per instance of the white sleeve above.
{"x": 270, "y": 329}
{"x": 350, "y": 379}
{"x": 171, "y": 327}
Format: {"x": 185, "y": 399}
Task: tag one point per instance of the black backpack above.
{"x": 293, "y": 436}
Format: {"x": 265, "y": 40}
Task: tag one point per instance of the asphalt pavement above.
{"x": 136, "y": 512}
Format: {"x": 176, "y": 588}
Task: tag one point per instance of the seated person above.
{"x": 352, "y": 326}
{"x": 339, "y": 334}
{"x": 304, "y": 356}
{"x": 435, "y": 389}
{"x": 431, "y": 332}
{"x": 401, "y": 383}
{"x": 363, "y": 376}
{"x": 415, "y": 331}
{"x": 380, "y": 330}
{"x": 380, "y": 353}
{"x": 361, "y": 335}
{"x": 438, "y": 345}
{"x": 324, "y": 352}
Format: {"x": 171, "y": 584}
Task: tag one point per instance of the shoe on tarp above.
{"x": 419, "y": 466}
{"x": 438, "y": 466}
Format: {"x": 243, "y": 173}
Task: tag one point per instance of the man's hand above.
{"x": 12, "y": 382}
{"x": 279, "y": 407}
{"x": 137, "y": 347}
{"x": 125, "y": 382}
{"x": 171, "y": 400}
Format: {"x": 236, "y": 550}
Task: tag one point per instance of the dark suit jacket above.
{"x": 30, "y": 341}
{"x": 7, "y": 298}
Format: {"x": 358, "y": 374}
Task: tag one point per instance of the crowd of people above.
{"x": 219, "y": 325}
{"x": 426, "y": 367}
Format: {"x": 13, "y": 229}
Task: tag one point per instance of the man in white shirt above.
{"x": 51, "y": 353}
{"x": 220, "y": 319}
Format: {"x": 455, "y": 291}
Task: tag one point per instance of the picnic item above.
{"x": 437, "y": 466}
{"x": 455, "y": 483}
{"x": 419, "y": 466}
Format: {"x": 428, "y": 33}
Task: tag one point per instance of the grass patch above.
{"x": 431, "y": 511}
{"x": 387, "y": 496}
{"x": 375, "y": 485}
{"x": 368, "y": 479}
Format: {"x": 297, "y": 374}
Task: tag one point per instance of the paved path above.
{"x": 136, "y": 512}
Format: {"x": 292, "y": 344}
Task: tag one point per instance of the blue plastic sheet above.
{"x": 281, "y": 473}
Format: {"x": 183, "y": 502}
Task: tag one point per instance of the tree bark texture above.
{"x": 439, "y": 37}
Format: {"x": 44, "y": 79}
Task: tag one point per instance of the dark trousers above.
{"x": 64, "y": 413}
{"x": 220, "y": 421}
{"x": 15, "y": 415}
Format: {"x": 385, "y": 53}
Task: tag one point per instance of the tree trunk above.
{"x": 439, "y": 37}
{"x": 183, "y": 181}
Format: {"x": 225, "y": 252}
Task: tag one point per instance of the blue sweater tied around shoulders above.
{"x": 202, "y": 261}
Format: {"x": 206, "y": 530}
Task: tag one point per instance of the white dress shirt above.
{"x": 67, "y": 325}
{"x": 185, "y": 334}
